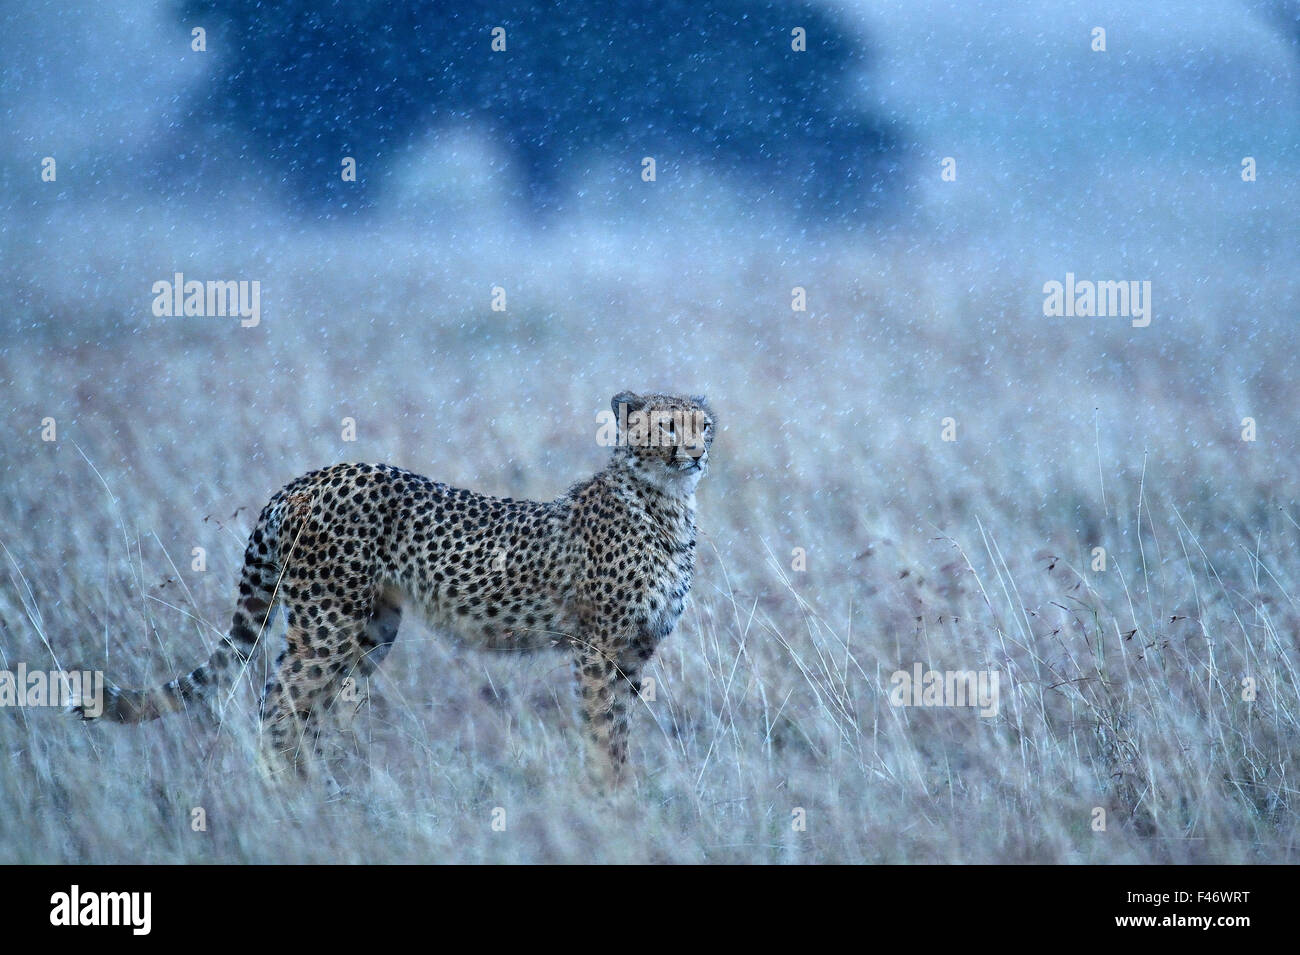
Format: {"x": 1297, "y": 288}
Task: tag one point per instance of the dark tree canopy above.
{"x": 301, "y": 83}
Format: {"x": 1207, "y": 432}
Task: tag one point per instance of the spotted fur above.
{"x": 603, "y": 571}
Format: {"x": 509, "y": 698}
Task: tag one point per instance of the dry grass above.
{"x": 1120, "y": 689}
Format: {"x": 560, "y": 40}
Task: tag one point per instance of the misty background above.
{"x": 1115, "y": 165}
{"x": 924, "y": 303}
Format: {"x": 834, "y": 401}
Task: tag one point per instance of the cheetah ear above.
{"x": 634, "y": 402}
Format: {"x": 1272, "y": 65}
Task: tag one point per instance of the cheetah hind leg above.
{"x": 291, "y": 722}
{"x": 297, "y": 702}
{"x": 311, "y": 693}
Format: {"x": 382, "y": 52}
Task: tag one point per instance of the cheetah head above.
{"x": 665, "y": 438}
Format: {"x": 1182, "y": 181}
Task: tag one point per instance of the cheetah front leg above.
{"x": 605, "y": 712}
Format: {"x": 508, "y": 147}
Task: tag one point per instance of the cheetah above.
{"x": 602, "y": 572}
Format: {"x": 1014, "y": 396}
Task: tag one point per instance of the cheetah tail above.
{"x": 120, "y": 705}
{"x": 200, "y": 685}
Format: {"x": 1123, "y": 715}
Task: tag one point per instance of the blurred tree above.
{"x": 1285, "y": 15}
{"x": 302, "y": 83}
